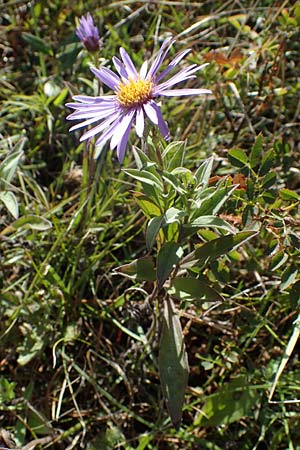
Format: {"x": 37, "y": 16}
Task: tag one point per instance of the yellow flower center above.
{"x": 134, "y": 93}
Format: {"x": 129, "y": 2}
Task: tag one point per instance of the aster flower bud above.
{"x": 88, "y": 33}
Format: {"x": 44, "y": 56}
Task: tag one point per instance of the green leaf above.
{"x": 30, "y": 347}
{"x": 172, "y": 232}
{"x": 7, "y": 390}
{"x": 210, "y": 222}
{"x": 173, "y": 154}
{"x": 207, "y": 235}
{"x": 232, "y": 402}
{"x": 297, "y": 12}
{"x": 32, "y": 221}
{"x": 278, "y": 260}
{"x": 141, "y": 159}
{"x": 173, "y": 215}
{"x": 238, "y": 157}
{"x": 37, "y": 43}
{"x": 203, "y": 173}
{"x": 168, "y": 257}
{"x": 109, "y": 437}
{"x": 9, "y": 165}
{"x": 268, "y": 180}
{"x": 250, "y": 188}
{"x": 140, "y": 269}
{"x": 287, "y": 194}
{"x": 152, "y": 231}
{"x": 256, "y": 151}
{"x": 173, "y": 363}
{"x": 149, "y": 208}
{"x": 289, "y": 277}
{"x": 269, "y": 196}
{"x": 38, "y": 423}
{"x": 174, "y": 182}
{"x": 145, "y": 177}
{"x": 61, "y": 97}
{"x": 221, "y": 246}
{"x": 144, "y": 440}
{"x": 10, "y": 201}
{"x": 68, "y": 56}
{"x": 154, "y": 195}
{"x": 189, "y": 288}
{"x": 267, "y": 162}
{"x": 214, "y": 201}
{"x": 186, "y": 176}
{"x": 294, "y": 295}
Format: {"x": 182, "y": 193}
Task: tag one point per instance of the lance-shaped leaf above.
{"x": 174, "y": 155}
{"x": 238, "y": 157}
{"x": 217, "y": 247}
{"x": 9, "y": 165}
{"x": 172, "y": 215}
{"x": 173, "y": 363}
{"x": 256, "y": 151}
{"x": 206, "y": 222}
{"x": 189, "y": 288}
{"x": 147, "y": 205}
{"x": 10, "y": 201}
{"x": 139, "y": 269}
{"x": 32, "y": 221}
{"x": 168, "y": 257}
{"x": 232, "y": 402}
{"x": 203, "y": 173}
{"x": 152, "y": 231}
{"x": 146, "y": 177}
{"x": 213, "y": 203}
{"x": 223, "y": 245}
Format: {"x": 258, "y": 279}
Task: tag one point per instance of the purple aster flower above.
{"x": 134, "y": 99}
{"x": 88, "y": 33}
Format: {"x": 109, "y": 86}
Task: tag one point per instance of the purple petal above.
{"x": 100, "y": 127}
{"x": 182, "y": 75}
{"x": 107, "y": 77}
{"x": 92, "y": 112}
{"x": 140, "y": 122}
{"x": 151, "y": 112}
{"x": 84, "y": 124}
{"x": 122, "y": 145}
{"x": 88, "y": 115}
{"x": 79, "y": 34}
{"x": 120, "y": 67}
{"x": 83, "y": 99}
{"x": 179, "y": 92}
{"x": 129, "y": 66}
{"x": 109, "y": 132}
{"x": 203, "y": 65}
{"x": 91, "y": 119}
{"x": 143, "y": 70}
{"x": 124, "y": 123}
{"x": 155, "y": 115}
{"x": 160, "y": 57}
{"x": 172, "y": 64}
{"x": 97, "y": 100}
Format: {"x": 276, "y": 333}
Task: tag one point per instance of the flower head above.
{"x": 88, "y": 33}
{"x": 134, "y": 99}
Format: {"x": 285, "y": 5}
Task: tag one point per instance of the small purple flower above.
{"x": 88, "y": 33}
{"x": 134, "y": 99}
